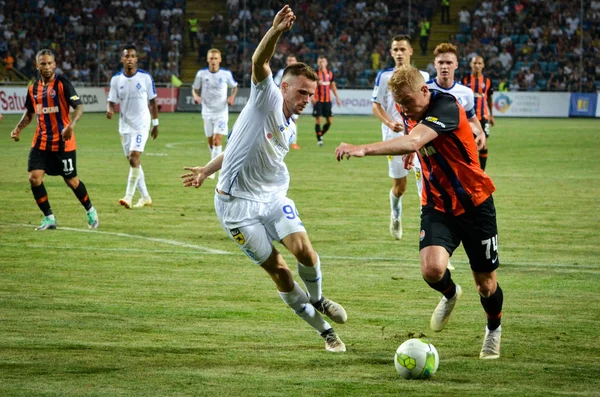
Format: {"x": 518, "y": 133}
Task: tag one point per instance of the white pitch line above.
{"x": 154, "y": 239}
{"x": 173, "y": 144}
{"x": 81, "y": 248}
{"x": 353, "y": 259}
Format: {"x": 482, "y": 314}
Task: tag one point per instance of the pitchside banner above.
{"x": 12, "y": 99}
{"x": 531, "y": 104}
{"x": 186, "y": 101}
{"x": 583, "y": 104}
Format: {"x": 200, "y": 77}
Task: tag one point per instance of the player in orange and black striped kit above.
{"x": 457, "y": 203}
{"x": 322, "y": 99}
{"x": 483, "y": 91}
{"x": 53, "y": 147}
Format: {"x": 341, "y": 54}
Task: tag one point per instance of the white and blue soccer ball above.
{"x": 416, "y": 359}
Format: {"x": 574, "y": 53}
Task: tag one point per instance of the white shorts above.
{"x": 254, "y": 226}
{"x": 215, "y": 125}
{"x": 134, "y": 142}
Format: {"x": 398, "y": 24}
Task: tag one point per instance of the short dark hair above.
{"x": 300, "y": 69}
{"x": 44, "y": 51}
{"x": 130, "y": 46}
{"x": 402, "y": 37}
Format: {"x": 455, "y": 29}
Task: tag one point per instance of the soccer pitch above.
{"x": 160, "y": 302}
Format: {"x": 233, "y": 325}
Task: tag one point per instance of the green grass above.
{"x": 145, "y": 306}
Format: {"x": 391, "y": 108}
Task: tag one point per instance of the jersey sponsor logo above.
{"x": 39, "y": 109}
{"x": 238, "y": 236}
{"x": 435, "y": 120}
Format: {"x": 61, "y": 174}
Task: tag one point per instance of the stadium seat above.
{"x": 541, "y": 84}
{"x": 523, "y": 38}
{"x": 514, "y": 38}
{"x": 544, "y": 66}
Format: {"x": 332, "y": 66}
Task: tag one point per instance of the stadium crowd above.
{"x": 88, "y": 36}
{"x": 528, "y": 45}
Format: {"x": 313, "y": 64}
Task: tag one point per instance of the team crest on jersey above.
{"x": 422, "y": 235}
{"x": 52, "y": 93}
{"x": 269, "y": 136}
{"x": 238, "y": 236}
{"x": 138, "y": 86}
{"x": 281, "y": 128}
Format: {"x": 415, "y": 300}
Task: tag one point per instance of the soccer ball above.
{"x": 416, "y": 359}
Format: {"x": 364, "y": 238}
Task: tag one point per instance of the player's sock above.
{"x": 483, "y": 155}
{"x": 318, "y": 131}
{"x": 419, "y": 181}
{"x": 326, "y": 127}
{"x": 297, "y": 300}
{"x": 142, "y": 184}
{"x": 396, "y": 205}
{"x": 217, "y": 150}
{"x": 134, "y": 177}
{"x": 312, "y": 278}
{"x": 446, "y": 286}
{"x": 210, "y": 150}
{"x": 41, "y": 198}
{"x": 493, "y": 308}
{"x": 82, "y": 194}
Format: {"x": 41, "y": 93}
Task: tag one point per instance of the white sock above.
{"x": 142, "y": 185}
{"x": 419, "y": 179}
{"x": 297, "y": 300}
{"x": 295, "y": 138}
{"x": 134, "y": 177}
{"x": 312, "y": 278}
{"x": 217, "y": 150}
{"x": 396, "y": 205}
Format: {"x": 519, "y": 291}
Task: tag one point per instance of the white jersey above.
{"x": 383, "y": 96}
{"x": 132, "y": 93}
{"x": 213, "y": 91}
{"x": 253, "y": 166}
{"x": 463, "y": 94}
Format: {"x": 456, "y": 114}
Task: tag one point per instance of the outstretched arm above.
{"x": 198, "y": 175}
{"x": 404, "y": 144}
{"x": 282, "y": 22}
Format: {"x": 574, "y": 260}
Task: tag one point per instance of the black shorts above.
{"x": 485, "y": 125}
{"x": 322, "y": 109}
{"x": 53, "y": 163}
{"x": 476, "y": 229}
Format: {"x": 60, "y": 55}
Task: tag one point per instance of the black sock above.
{"x": 318, "y": 131}
{"x": 446, "y": 286}
{"x": 493, "y": 308}
{"x": 41, "y": 198}
{"x": 483, "y": 154}
{"x": 82, "y": 194}
{"x": 326, "y": 128}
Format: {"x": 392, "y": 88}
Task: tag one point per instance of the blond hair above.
{"x": 213, "y": 50}
{"x": 406, "y": 78}
{"x": 444, "y": 48}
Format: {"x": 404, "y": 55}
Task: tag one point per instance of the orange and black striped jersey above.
{"x": 51, "y": 103}
{"x": 323, "y": 93}
{"x": 482, "y": 90}
{"x": 453, "y": 181}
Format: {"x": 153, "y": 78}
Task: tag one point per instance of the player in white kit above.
{"x": 210, "y": 89}
{"x": 133, "y": 89}
{"x": 250, "y": 199}
{"x": 384, "y": 108}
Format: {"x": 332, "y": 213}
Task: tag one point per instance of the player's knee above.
{"x": 486, "y": 288}
{"x": 432, "y": 272}
{"x": 35, "y": 180}
{"x": 72, "y": 182}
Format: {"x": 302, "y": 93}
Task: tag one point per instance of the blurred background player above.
{"x": 53, "y": 150}
{"x": 322, "y": 99}
{"x": 133, "y": 89}
{"x": 251, "y": 195}
{"x": 446, "y": 63}
{"x": 483, "y": 90}
{"x": 392, "y": 125}
{"x": 210, "y": 89}
{"x": 290, "y": 60}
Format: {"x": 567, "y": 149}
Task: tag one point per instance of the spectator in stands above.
{"x": 424, "y": 30}
{"x": 445, "y": 14}
{"x": 464, "y": 19}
